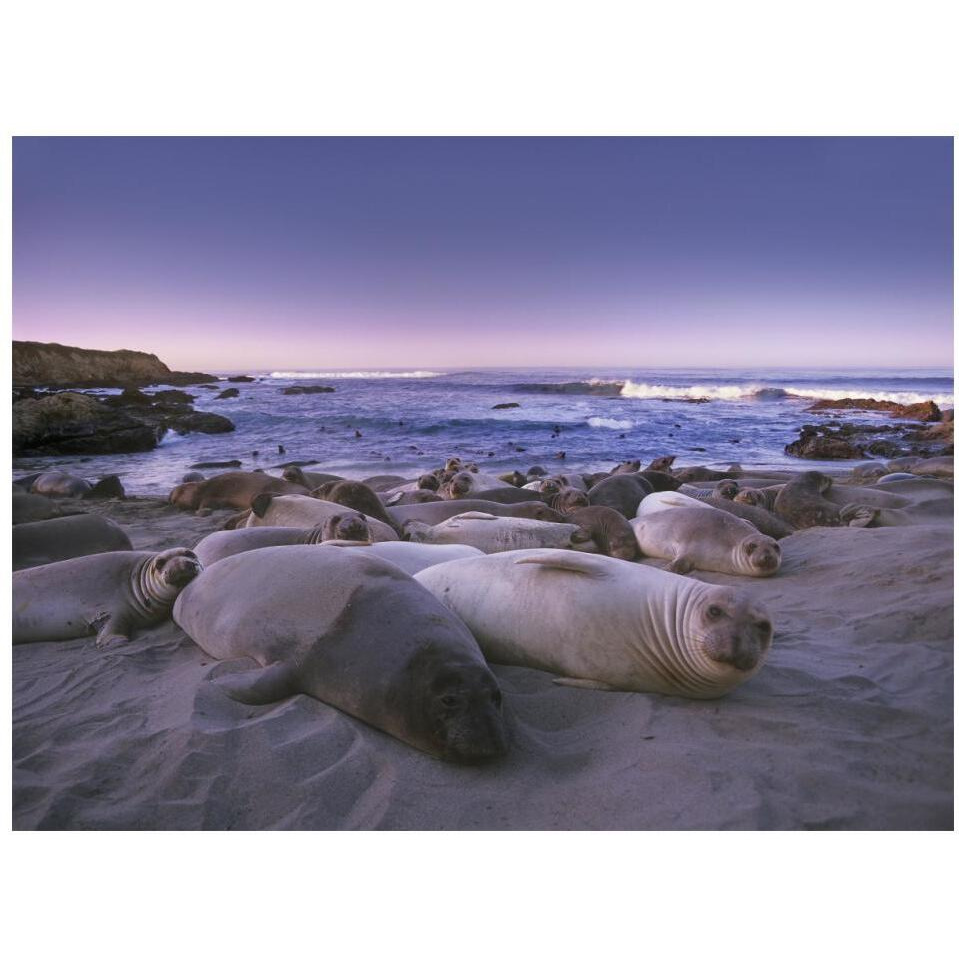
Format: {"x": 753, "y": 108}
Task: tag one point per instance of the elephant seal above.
{"x": 610, "y": 530}
{"x": 516, "y": 478}
{"x": 661, "y": 464}
{"x": 568, "y": 499}
{"x": 305, "y": 512}
{"x": 300, "y": 477}
{"x": 939, "y": 467}
{"x": 496, "y": 534}
{"x": 630, "y": 466}
{"x": 235, "y": 489}
{"x": 381, "y": 482}
{"x": 657, "y": 502}
{"x": 409, "y": 497}
{"x": 604, "y": 624}
{"x": 432, "y": 513}
{"x": 60, "y": 484}
{"x": 108, "y": 594}
{"x": 703, "y": 474}
{"x": 357, "y": 496}
{"x": 465, "y": 484}
{"x": 801, "y": 502}
{"x": 894, "y": 477}
{"x": 507, "y": 494}
{"x": 763, "y": 497}
{"x": 623, "y": 493}
{"x": 340, "y": 528}
{"x": 192, "y": 476}
{"x": 707, "y": 539}
{"x": 370, "y": 641}
{"x": 30, "y": 508}
{"x": 413, "y": 557}
{"x": 52, "y": 540}
{"x": 660, "y": 482}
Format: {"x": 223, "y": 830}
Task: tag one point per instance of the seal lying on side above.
{"x": 342, "y": 528}
{"x": 28, "y": 508}
{"x": 610, "y": 530}
{"x": 769, "y": 524}
{"x": 307, "y": 512}
{"x": 464, "y": 484}
{"x": 622, "y": 492}
{"x": 410, "y": 497}
{"x": 706, "y": 538}
{"x": 494, "y": 534}
{"x": 433, "y": 513}
{"x": 356, "y": 496}
{"x": 412, "y": 557}
{"x": 606, "y": 624}
{"x": 110, "y": 595}
{"x": 56, "y": 483}
{"x": 235, "y": 490}
{"x": 52, "y": 540}
{"x": 801, "y": 502}
{"x": 354, "y": 631}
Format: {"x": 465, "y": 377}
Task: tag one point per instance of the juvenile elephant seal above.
{"x": 340, "y": 528}
{"x": 516, "y": 478}
{"x": 605, "y": 624}
{"x": 235, "y": 490}
{"x": 109, "y": 595}
{"x": 465, "y": 484}
{"x": 356, "y": 496}
{"x": 192, "y": 476}
{"x": 763, "y": 497}
{"x": 706, "y": 539}
{"x": 371, "y": 642}
{"x": 703, "y": 474}
{"x": 409, "y": 497}
{"x": 567, "y": 500}
{"x": 52, "y": 540}
{"x": 56, "y": 483}
{"x": 801, "y": 502}
{"x": 495, "y": 534}
{"x": 300, "y": 477}
{"x": 432, "y": 513}
{"x": 610, "y": 530}
{"x": 662, "y": 464}
{"x": 623, "y": 493}
{"x": 659, "y": 481}
{"x": 381, "y": 482}
{"x": 412, "y": 557}
{"x": 630, "y": 466}
{"x": 29, "y": 508}
{"x": 306, "y": 512}
{"x": 894, "y": 477}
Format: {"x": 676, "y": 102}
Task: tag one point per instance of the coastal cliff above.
{"x": 50, "y": 364}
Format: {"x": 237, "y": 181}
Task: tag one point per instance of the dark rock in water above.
{"x": 815, "y": 447}
{"x": 197, "y": 422}
{"x": 109, "y": 487}
{"x": 240, "y": 379}
{"x": 206, "y": 386}
{"x": 883, "y": 448}
{"x": 129, "y": 397}
{"x": 506, "y": 406}
{"x": 50, "y": 364}
{"x": 926, "y": 412}
{"x": 228, "y": 394}
{"x": 172, "y": 396}
{"x": 297, "y": 390}
{"x": 684, "y": 399}
{"x": 213, "y": 465}
{"x": 697, "y": 449}
{"x": 734, "y": 441}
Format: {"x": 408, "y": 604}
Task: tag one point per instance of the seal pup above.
{"x": 661, "y": 464}
{"x": 433, "y": 513}
{"x": 355, "y": 632}
{"x": 233, "y": 490}
{"x": 567, "y": 500}
{"x": 622, "y": 492}
{"x": 610, "y": 530}
{"x": 413, "y": 557}
{"x": 409, "y": 497}
{"x": 357, "y": 496}
{"x": 604, "y": 624}
{"x": 496, "y": 534}
{"x": 305, "y": 511}
{"x": 301, "y": 477}
{"x": 379, "y": 483}
{"x": 464, "y": 484}
{"x": 340, "y": 528}
{"x": 801, "y": 502}
{"x": 52, "y": 540}
{"x": 109, "y": 595}
{"x": 659, "y": 481}
{"x": 706, "y": 539}
{"x": 516, "y": 478}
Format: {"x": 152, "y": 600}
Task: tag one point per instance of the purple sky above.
{"x": 221, "y": 253}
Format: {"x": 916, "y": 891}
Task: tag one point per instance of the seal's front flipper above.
{"x": 566, "y": 560}
{"x": 108, "y": 637}
{"x": 256, "y": 687}
{"x": 109, "y": 630}
{"x": 680, "y": 565}
{"x": 861, "y": 516}
{"x": 585, "y": 684}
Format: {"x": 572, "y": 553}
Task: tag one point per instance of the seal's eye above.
{"x": 449, "y": 701}
{"x": 750, "y": 548}
{"x": 714, "y": 612}
{"x": 764, "y": 627}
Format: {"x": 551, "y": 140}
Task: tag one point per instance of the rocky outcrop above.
{"x": 846, "y": 441}
{"x": 50, "y": 364}
{"x": 227, "y": 394}
{"x": 297, "y": 390}
{"x": 926, "y": 412}
{"x": 506, "y": 406}
{"x": 240, "y": 379}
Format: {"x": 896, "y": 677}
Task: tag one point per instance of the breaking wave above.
{"x": 593, "y": 387}
{"x": 355, "y": 375}
{"x": 604, "y": 422}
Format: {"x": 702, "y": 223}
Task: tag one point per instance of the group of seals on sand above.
{"x": 391, "y": 609}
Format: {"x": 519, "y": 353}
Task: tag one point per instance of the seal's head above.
{"x": 516, "y": 478}
{"x": 534, "y": 510}
{"x": 428, "y": 481}
{"x": 761, "y": 555}
{"x": 727, "y": 489}
{"x": 185, "y": 495}
{"x": 460, "y": 486}
{"x": 177, "y": 567}
{"x": 630, "y": 466}
{"x": 535, "y": 471}
{"x": 751, "y": 497}
{"x": 731, "y": 630}
{"x": 662, "y": 464}
{"x": 549, "y": 488}
{"x": 568, "y": 499}
{"x": 814, "y": 480}
{"x": 351, "y": 526}
{"x": 453, "y": 464}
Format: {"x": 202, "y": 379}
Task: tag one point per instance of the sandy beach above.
{"x": 848, "y": 725}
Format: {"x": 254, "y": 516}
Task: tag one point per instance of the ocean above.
{"x": 412, "y": 420}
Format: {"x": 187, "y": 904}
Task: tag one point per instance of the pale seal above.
{"x": 60, "y": 484}
{"x": 412, "y": 557}
{"x": 109, "y": 595}
{"x": 433, "y": 513}
{"x": 606, "y": 624}
{"x": 495, "y": 534}
{"x": 464, "y": 484}
{"x": 306, "y": 512}
{"x": 706, "y": 538}
{"x": 371, "y": 642}
{"x": 52, "y": 540}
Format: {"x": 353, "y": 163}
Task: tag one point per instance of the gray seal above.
{"x": 52, "y": 540}
{"x": 372, "y": 642}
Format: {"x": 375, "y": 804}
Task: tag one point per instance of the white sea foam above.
{"x": 940, "y": 399}
{"x": 604, "y": 422}
{"x": 656, "y": 391}
{"x": 355, "y": 375}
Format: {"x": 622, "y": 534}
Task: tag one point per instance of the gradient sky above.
{"x": 249, "y": 253}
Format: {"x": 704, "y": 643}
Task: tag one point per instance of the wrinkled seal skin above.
{"x": 610, "y": 530}
{"x": 495, "y": 534}
{"x": 802, "y": 503}
{"x": 605, "y": 624}
{"x": 306, "y": 512}
{"x": 706, "y": 538}
{"x": 353, "y": 631}
{"x": 233, "y": 490}
{"x": 412, "y": 557}
{"x": 109, "y": 595}
{"x": 52, "y": 540}
{"x": 622, "y": 492}
{"x": 341, "y": 528}
{"x": 567, "y": 500}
